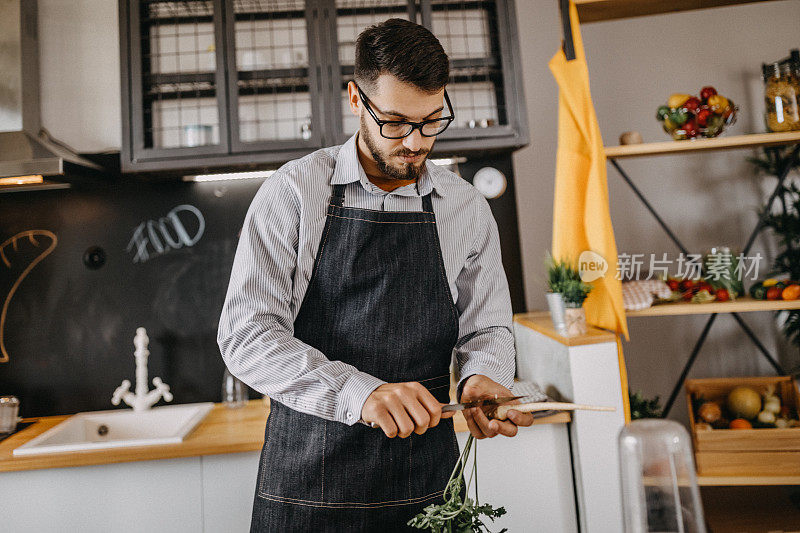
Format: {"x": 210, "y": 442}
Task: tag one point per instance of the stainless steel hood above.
{"x": 25, "y": 147}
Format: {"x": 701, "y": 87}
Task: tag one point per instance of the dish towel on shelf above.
{"x": 581, "y": 217}
{"x": 640, "y": 294}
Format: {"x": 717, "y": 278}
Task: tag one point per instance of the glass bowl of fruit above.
{"x": 685, "y": 116}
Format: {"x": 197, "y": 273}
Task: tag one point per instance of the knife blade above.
{"x": 482, "y": 402}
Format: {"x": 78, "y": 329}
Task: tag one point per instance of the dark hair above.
{"x": 407, "y": 51}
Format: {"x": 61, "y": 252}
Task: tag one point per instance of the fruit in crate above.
{"x": 689, "y": 117}
{"x": 710, "y": 412}
{"x": 740, "y": 423}
{"x": 744, "y": 402}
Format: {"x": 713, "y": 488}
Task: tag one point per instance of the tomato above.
{"x": 773, "y": 293}
{"x": 791, "y": 292}
{"x": 686, "y": 284}
{"x": 690, "y": 128}
{"x": 673, "y": 284}
{"x": 703, "y": 284}
{"x": 687, "y": 295}
{"x": 702, "y": 116}
{"x": 706, "y": 92}
{"x": 722, "y": 295}
{"x": 740, "y": 423}
{"x": 692, "y": 104}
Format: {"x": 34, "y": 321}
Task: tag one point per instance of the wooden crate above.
{"x": 739, "y": 452}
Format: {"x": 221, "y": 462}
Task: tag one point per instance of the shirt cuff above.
{"x": 353, "y": 395}
{"x": 484, "y": 371}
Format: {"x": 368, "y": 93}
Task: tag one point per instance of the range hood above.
{"x": 26, "y": 149}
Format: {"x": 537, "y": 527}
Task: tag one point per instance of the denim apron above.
{"x": 378, "y": 299}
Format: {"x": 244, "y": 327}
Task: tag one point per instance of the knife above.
{"x": 490, "y": 402}
{"x": 482, "y": 402}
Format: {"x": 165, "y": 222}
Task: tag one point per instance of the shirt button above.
{"x": 349, "y": 415}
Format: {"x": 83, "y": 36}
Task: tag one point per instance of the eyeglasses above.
{"x": 397, "y": 129}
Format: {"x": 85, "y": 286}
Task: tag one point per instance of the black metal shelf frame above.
{"x": 784, "y": 172}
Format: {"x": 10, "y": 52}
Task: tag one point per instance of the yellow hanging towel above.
{"x": 581, "y": 217}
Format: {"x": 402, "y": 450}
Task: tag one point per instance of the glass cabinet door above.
{"x": 274, "y": 92}
{"x": 470, "y": 32}
{"x": 178, "y": 107}
{"x": 351, "y": 17}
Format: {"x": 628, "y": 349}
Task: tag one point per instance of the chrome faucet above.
{"x": 143, "y": 399}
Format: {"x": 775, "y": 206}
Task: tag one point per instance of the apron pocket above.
{"x": 292, "y": 457}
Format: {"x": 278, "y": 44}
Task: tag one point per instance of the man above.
{"x": 359, "y": 270}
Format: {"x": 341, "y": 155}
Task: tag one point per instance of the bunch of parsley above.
{"x": 455, "y": 515}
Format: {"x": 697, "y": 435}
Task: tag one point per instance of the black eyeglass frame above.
{"x": 414, "y": 125}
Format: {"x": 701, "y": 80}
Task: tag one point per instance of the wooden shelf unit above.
{"x": 750, "y": 140}
{"x": 742, "y": 304}
{"x": 600, "y": 10}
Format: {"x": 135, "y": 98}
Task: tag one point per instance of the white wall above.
{"x": 634, "y": 64}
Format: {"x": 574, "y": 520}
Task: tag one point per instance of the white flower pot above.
{"x": 556, "y": 305}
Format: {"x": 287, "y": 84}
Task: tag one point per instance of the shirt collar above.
{"x": 348, "y": 169}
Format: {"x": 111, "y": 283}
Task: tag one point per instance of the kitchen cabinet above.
{"x": 243, "y": 84}
{"x": 215, "y": 492}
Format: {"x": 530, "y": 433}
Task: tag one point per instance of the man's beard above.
{"x": 408, "y": 171}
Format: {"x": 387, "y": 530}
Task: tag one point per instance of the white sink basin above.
{"x": 93, "y": 430}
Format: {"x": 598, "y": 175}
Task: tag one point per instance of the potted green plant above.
{"x": 565, "y": 296}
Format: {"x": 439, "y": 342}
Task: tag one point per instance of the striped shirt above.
{"x": 275, "y": 257}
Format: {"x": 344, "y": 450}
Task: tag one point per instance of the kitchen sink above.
{"x": 95, "y": 430}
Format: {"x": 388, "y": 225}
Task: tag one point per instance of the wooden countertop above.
{"x": 540, "y": 321}
{"x": 224, "y": 430}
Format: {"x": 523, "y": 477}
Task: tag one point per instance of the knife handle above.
{"x": 502, "y": 411}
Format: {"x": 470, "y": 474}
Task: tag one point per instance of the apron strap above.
{"x": 427, "y": 205}
{"x": 337, "y": 198}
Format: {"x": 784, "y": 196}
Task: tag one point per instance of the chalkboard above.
{"x": 166, "y": 251}
{"x": 82, "y": 268}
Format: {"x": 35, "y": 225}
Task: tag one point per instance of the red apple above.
{"x": 690, "y": 127}
{"x": 707, "y": 91}
{"x": 692, "y": 104}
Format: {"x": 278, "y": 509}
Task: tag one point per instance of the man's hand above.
{"x": 477, "y": 387}
{"x": 400, "y": 408}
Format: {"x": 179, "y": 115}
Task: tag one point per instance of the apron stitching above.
{"x": 410, "y": 463}
{"x": 383, "y": 221}
{"x": 438, "y": 387}
{"x": 315, "y": 503}
{"x": 376, "y": 210}
{"x": 266, "y": 445}
{"x": 443, "y": 275}
{"x": 318, "y": 259}
{"x": 324, "y": 438}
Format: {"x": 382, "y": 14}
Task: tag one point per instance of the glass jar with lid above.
{"x": 782, "y": 95}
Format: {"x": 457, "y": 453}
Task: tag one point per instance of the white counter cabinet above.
{"x": 528, "y": 474}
